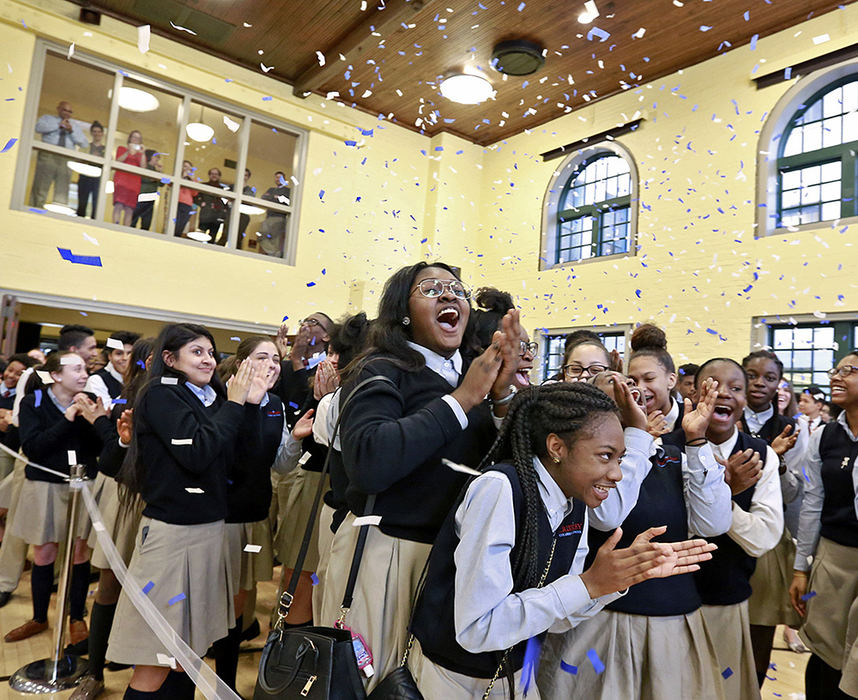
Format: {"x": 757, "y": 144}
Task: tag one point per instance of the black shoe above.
{"x": 251, "y": 632}
{"x": 5, "y": 597}
{"x": 79, "y": 649}
{"x": 113, "y": 666}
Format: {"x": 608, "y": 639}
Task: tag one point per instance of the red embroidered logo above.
{"x": 570, "y": 529}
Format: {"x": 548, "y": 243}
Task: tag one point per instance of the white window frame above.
{"x": 544, "y": 333}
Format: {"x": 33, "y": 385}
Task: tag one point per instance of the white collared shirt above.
{"x": 755, "y": 421}
{"x": 672, "y": 415}
{"x": 451, "y": 370}
{"x": 205, "y": 394}
{"x": 96, "y": 385}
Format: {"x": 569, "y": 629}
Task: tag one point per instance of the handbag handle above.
{"x": 288, "y": 594}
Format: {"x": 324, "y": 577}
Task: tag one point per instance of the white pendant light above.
{"x": 135, "y": 100}
{"x": 466, "y": 89}
{"x": 199, "y": 130}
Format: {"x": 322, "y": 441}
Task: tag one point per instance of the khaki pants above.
{"x": 13, "y": 551}
{"x": 50, "y": 169}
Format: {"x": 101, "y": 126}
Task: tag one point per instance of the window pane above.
{"x": 212, "y": 143}
{"x": 148, "y": 121}
{"x": 136, "y": 201}
{"x": 262, "y": 230}
{"x": 823, "y": 337}
{"x": 270, "y": 151}
{"x": 202, "y": 216}
{"x": 50, "y": 183}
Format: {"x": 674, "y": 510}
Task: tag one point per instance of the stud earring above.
{"x": 557, "y": 460}
{"x": 406, "y": 321}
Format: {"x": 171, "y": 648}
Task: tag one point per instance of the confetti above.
{"x": 165, "y": 660}
{"x": 366, "y": 520}
{"x": 182, "y": 29}
{"x": 253, "y": 548}
{"x": 148, "y": 587}
{"x": 9, "y": 144}
{"x": 569, "y": 668}
{"x": 459, "y": 467}
{"x": 600, "y": 33}
{"x": 169, "y": 380}
{"x": 808, "y": 595}
{"x": 182, "y": 441}
{"x": 144, "y": 33}
{"x": 176, "y": 598}
{"x": 314, "y": 579}
{"x": 704, "y": 28}
{"x": 304, "y": 458}
{"x": 754, "y": 42}
{"x": 72, "y": 456}
{"x": 66, "y": 254}
{"x": 530, "y": 666}
{"x": 38, "y": 396}
{"x": 266, "y": 69}
{"x": 321, "y": 58}
{"x": 193, "y": 489}
{"x": 115, "y": 343}
{"x": 598, "y": 666}
{"x": 727, "y": 672}
{"x": 45, "y": 377}
{"x": 71, "y": 51}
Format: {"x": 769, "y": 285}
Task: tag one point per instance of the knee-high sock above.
{"x": 179, "y": 686}
{"x": 99, "y": 632}
{"x": 133, "y": 694}
{"x": 821, "y": 681}
{"x": 226, "y": 654}
{"x": 41, "y": 582}
{"x": 79, "y": 587}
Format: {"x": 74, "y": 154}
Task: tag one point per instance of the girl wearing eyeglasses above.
{"x": 828, "y": 537}
{"x": 654, "y": 371}
{"x": 394, "y": 439}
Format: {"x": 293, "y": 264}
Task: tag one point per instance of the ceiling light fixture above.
{"x": 60, "y": 209}
{"x": 84, "y": 168}
{"x": 199, "y": 130}
{"x": 466, "y": 89}
{"x": 517, "y": 57}
{"x": 135, "y": 100}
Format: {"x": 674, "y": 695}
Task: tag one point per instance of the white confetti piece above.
{"x": 182, "y": 29}
{"x": 253, "y": 548}
{"x": 265, "y": 68}
{"x": 193, "y": 489}
{"x": 169, "y": 380}
{"x": 366, "y": 520}
{"x": 72, "y": 458}
{"x": 92, "y": 240}
{"x": 230, "y": 124}
{"x": 459, "y": 467}
{"x": 182, "y": 441}
{"x": 115, "y": 343}
{"x": 821, "y": 39}
{"x": 247, "y": 25}
{"x": 165, "y": 660}
{"x": 639, "y": 33}
{"x": 321, "y": 58}
{"x": 144, "y": 33}
{"x": 71, "y": 51}
{"x": 45, "y": 377}
{"x": 69, "y": 360}
{"x": 304, "y": 458}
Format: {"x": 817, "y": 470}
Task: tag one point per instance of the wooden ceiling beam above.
{"x": 359, "y": 39}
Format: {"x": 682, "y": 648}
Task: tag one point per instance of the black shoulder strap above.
{"x": 289, "y": 592}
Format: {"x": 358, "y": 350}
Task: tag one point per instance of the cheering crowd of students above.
{"x": 612, "y": 533}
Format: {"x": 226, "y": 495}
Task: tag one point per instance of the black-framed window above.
{"x": 594, "y": 209}
{"x": 552, "y": 358}
{"x": 809, "y": 350}
{"x": 816, "y": 157}
{"x": 139, "y": 153}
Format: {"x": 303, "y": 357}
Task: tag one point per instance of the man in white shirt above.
{"x": 107, "y": 383}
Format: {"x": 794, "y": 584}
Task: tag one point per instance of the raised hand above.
{"x": 632, "y": 415}
{"x": 695, "y": 422}
{"x": 258, "y": 388}
{"x": 742, "y": 470}
{"x": 326, "y": 380}
{"x": 304, "y": 426}
{"x": 509, "y": 343}
{"x": 239, "y": 386}
{"x": 481, "y": 376}
{"x": 125, "y": 426}
{"x": 656, "y": 424}
{"x": 784, "y": 442}
{"x": 281, "y": 341}
{"x": 91, "y": 410}
{"x": 616, "y": 361}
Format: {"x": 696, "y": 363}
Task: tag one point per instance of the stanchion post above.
{"x": 61, "y": 671}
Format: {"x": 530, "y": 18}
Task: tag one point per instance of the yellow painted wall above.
{"x": 695, "y": 154}
{"x": 478, "y": 208}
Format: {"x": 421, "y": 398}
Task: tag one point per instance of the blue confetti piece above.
{"x": 726, "y": 673}
{"x": 747, "y": 15}
{"x": 598, "y": 666}
{"x": 788, "y": 73}
{"x": 311, "y": 284}
{"x": 176, "y": 598}
{"x": 569, "y": 668}
{"x": 294, "y": 405}
{"x": 321, "y": 194}
{"x": 314, "y": 579}
{"x": 121, "y": 402}
{"x": 754, "y": 42}
{"x": 38, "y": 394}
{"x": 165, "y": 180}
{"x": 148, "y": 587}
{"x": 350, "y": 143}
{"x": 600, "y": 33}
{"x": 93, "y": 260}
{"x": 638, "y": 293}
{"x": 531, "y": 663}
{"x": 423, "y": 240}
{"x": 9, "y": 144}
{"x": 809, "y": 595}
{"x": 521, "y": 6}
{"x": 267, "y": 98}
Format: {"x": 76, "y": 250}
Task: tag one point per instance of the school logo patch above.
{"x": 570, "y": 529}
{"x": 274, "y": 413}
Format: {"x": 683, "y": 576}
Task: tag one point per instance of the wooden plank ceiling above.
{"x": 387, "y": 56}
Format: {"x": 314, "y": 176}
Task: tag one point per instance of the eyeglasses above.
{"x": 432, "y": 288}
{"x": 573, "y": 370}
{"x": 532, "y": 348}
{"x": 843, "y": 371}
{"x": 312, "y": 322}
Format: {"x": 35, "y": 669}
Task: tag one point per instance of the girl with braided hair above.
{"x": 508, "y": 563}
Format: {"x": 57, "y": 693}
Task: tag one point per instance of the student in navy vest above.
{"x": 508, "y": 563}
{"x": 107, "y": 382}
{"x": 264, "y": 442}
{"x": 659, "y": 617}
{"x": 752, "y": 472}
{"x": 395, "y": 437}
{"x": 769, "y": 604}
{"x": 828, "y": 537}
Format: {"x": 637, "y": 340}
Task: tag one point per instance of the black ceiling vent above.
{"x": 517, "y": 57}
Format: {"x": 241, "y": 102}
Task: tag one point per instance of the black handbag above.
{"x": 398, "y": 684}
{"x": 313, "y": 663}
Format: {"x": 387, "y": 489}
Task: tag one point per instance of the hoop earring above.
{"x": 406, "y": 321}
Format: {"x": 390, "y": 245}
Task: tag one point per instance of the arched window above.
{"x": 589, "y": 210}
{"x": 807, "y": 164}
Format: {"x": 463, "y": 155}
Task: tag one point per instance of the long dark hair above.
{"x": 389, "y": 337}
{"x": 136, "y": 374}
{"x": 349, "y": 337}
{"x": 171, "y": 339}
{"x": 535, "y": 413}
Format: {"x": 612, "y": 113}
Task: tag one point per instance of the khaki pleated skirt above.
{"x": 121, "y": 525}
{"x": 7, "y": 488}
{"x": 189, "y": 568}
{"x": 730, "y": 631}
{"x": 43, "y": 511}
{"x": 386, "y": 586}
{"x": 246, "y": 568}
{"x": 7, "y": 465}
{"x": 637, "y": 651}
{"x": 326, "y": 539}
{"x": 769, "y": 603}
{"x": 831, "y": 624}
{"x": 295, "y": 492}
{"x": 437, "y": 682}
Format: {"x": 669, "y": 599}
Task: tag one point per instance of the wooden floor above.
{"x": 786, "y": 679}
